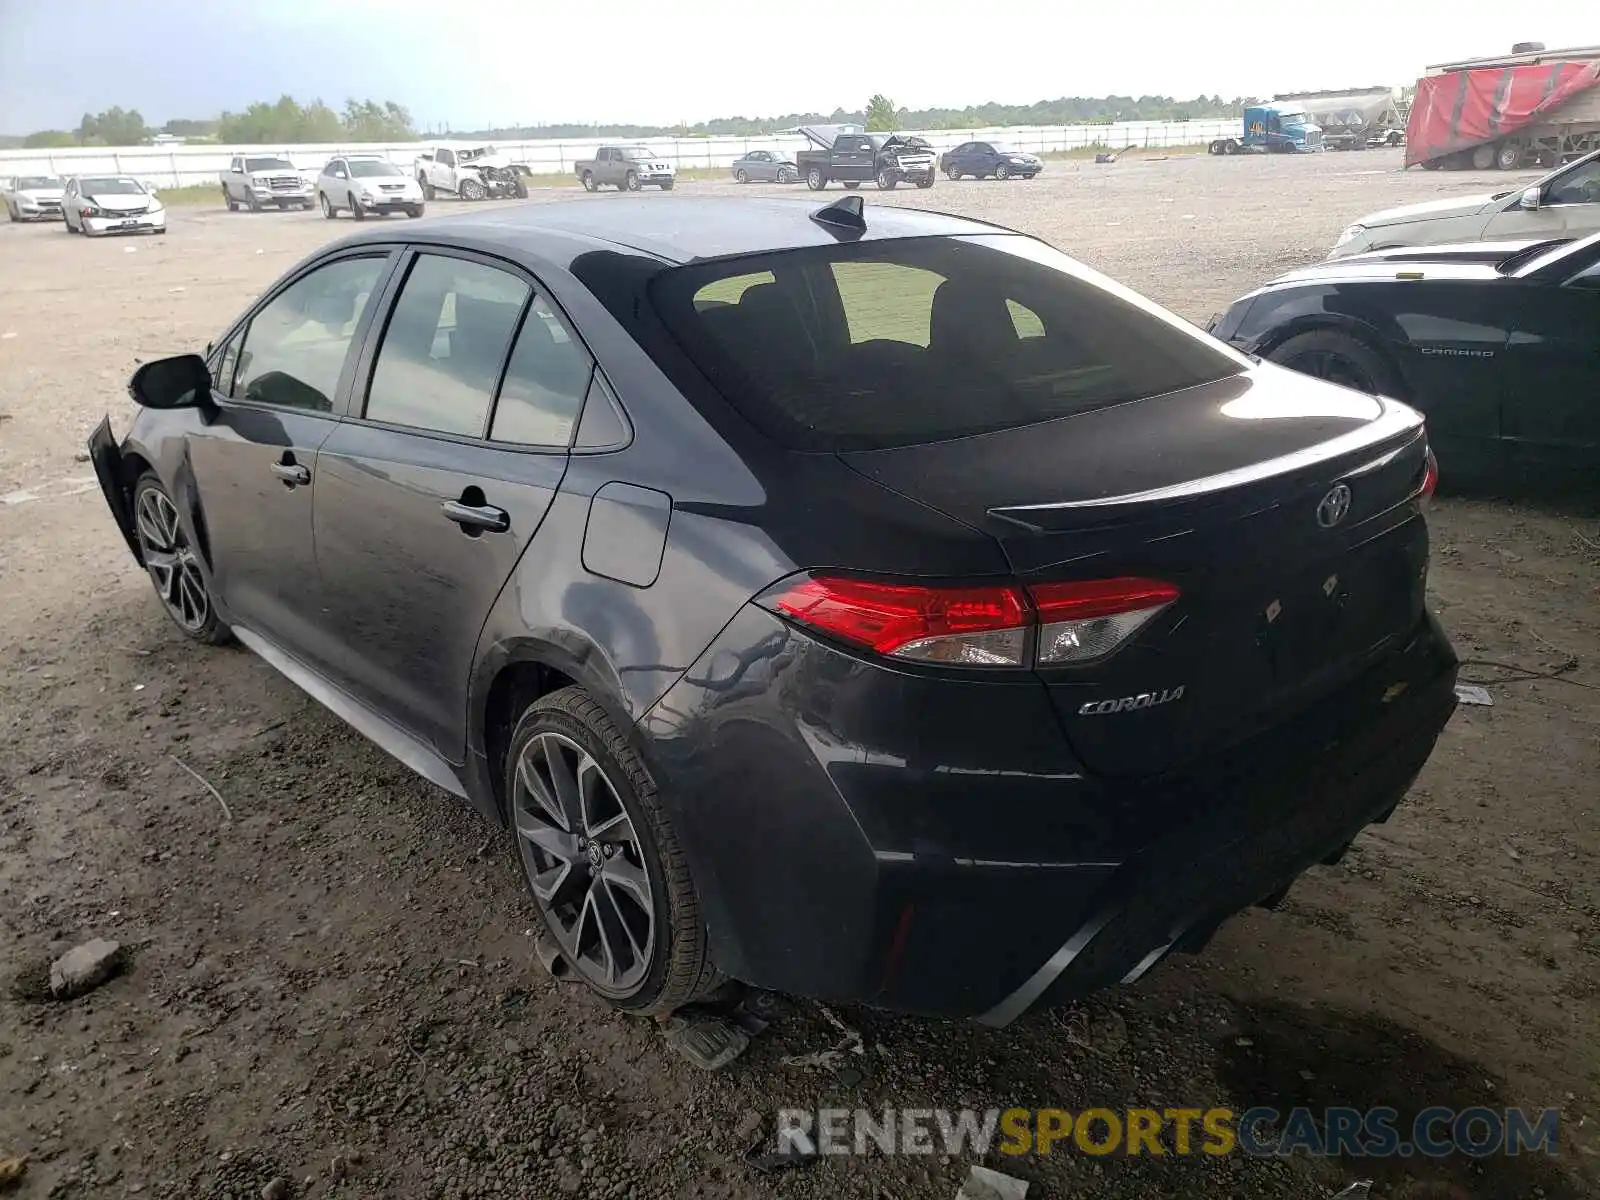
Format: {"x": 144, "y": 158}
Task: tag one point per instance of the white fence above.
{"x": 181, "y": 166}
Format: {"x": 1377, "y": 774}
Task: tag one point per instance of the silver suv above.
{"x": 367, "y": 183}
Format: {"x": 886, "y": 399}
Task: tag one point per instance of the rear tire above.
{"x": 1338, "y": 357}
{"x": 1511, "y": 156}
{"x": 1230, "y": 147}
{"x": 428, "y": 192}
{"x": 328, "y": 210}
{"x": 1483, "y": 158}
{"x": 557, "y": 739}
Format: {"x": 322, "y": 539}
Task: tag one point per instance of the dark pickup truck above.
{"x": 853, "y": 157}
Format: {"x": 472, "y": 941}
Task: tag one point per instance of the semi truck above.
{"x": 1352, "y": 118}
{"x": 1530, "y": 107}
{"x": 1282, "y": 127}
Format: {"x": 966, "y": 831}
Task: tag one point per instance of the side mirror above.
{"x": 1530, "y": 199}
{"x": 183, "y": 381}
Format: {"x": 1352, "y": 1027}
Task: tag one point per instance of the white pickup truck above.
{"x": 469, "y": 172}
{"x": 264, "y": 180}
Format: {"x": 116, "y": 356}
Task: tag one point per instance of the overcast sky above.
{"x": 475, "y": 63}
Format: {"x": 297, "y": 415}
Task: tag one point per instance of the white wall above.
{"x": 179, "y": 166}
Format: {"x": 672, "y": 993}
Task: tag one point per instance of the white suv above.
{"x": 367, "y": 184}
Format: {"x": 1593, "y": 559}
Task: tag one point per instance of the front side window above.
{"x": 1578, "y": 186}
{"x": 447, "y": 158}
{"x": 445, "y": 345}
{"x": 294, "y": 348}
{"x": 895, "y": 343}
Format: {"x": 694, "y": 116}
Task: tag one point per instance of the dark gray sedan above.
{"x": 765, "y": 166}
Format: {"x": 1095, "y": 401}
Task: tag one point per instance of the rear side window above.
{"x": 879, "y": 344}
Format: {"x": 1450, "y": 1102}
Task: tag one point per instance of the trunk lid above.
{"x": 1220, "y": 490}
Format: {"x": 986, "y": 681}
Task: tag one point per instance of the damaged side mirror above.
{"x": 183, "y": 381}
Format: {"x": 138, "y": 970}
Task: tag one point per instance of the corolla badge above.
{"x": 1122, "y": 704}
{"x": 1331, "y": 509}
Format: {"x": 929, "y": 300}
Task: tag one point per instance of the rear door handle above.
{"x": 477, "y": 516}
{"x": 291, "y": 473}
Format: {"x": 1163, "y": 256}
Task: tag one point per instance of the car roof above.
{"x": 683, "y": 229}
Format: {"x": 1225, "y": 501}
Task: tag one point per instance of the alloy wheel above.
{"x": 584, "y": 863}
{"x": 471, "y": 189}
{"x": 171, "y": 561}
{"x": 1333, "y": 367}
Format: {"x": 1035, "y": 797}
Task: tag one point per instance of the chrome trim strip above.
{"x": 1394, "y": 420}
{"x": 373, "y": 726}
{"x": 1019, "y": 1001}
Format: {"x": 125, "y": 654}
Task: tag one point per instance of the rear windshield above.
{"x": 879, "y": 344}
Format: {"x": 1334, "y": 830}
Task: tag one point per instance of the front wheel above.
{"x": 1337, "y": 358}
{"x": 666, "y": 185}
{"x": 1511, "y": 156}
{"x": 172, "y": 564}
{"x": 926, "y": 181}
{"x": 471, "y": 189}
{"x": 519, "y": 187}
{"x": 631, "y": 183}
{"x": 1002, "y": 172}
{"x": 414, "y": 211}
{"x": 1483, "y": 158}
{"x": 355, "y": 209}
{"x": 887, "y": 181}
{"x": 741, "y": 176}
{"x": 252, "y": 201}
{"x": 815, "y": 179}
{"x": 785, "y": 175}
{"x": 602, "y": 858}
{"x": 328, "y": 210}
{"x": 588, "y": 181}
{"x": 953, "y": 175}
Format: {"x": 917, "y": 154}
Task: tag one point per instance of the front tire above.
{"x": 926, "y": 181}
{"x": 519, "y": 187}
{"x": 887, "y": 181}
{"x": 414, "y": 211}
{"x": 666, "y": 185}
{"x": 252, "y": 200}
{"x": 953, "y": 175}
{"x": 785, "y": 175}
{"x": 1510, "y": 156}
{"x": 1483, "y": 158}
{"x": 741, "y": 176}
{"x": 355, "y": 209}
{"x": 471, "y": 189}
{"x": 588, "y": 181}
{"x": 631, "y": 183}
{"x": 602, "y": 859}
{"x": 1002, "y": 172}
{"x": 173, "y": 566}
{"x": 1340, "y": 358}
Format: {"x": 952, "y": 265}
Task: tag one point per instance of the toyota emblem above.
{"x": 1331, "y": 509}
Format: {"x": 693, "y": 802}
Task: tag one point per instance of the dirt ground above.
{"x": 335, "y": 985}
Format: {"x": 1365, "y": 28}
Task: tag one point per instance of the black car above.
{"x": 1498, "y": 345}
{"x": 954, "y": 648}
{"x": 984, "y": 159}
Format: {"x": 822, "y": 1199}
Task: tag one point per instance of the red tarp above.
{"x": 1463, "y": 109}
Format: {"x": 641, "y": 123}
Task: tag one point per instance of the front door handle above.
{"x": 476, "y": 516}
{"x": 292, "y": 473}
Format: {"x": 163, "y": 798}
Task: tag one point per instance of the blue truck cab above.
{"x": 1281, "y": 128}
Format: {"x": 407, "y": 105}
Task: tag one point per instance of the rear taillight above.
{"x": 1430, "y": 477}
{"x": 1001, "y": 625}
{"x": 1081, "y": 622}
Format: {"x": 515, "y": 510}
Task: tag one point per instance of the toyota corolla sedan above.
{"x": 101, "y": 204}
{"x": 862, "y": 603}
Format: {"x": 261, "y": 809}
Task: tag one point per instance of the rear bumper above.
{"x": 905, "y": 840}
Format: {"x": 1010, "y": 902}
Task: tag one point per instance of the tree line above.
{"x": 287, "y": 121}
{"x": 284, "y": 122}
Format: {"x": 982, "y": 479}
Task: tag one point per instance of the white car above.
{"x": 32, "y": 197}
{"x": 257, "y": 181}
{"x": 99, "y": 204}
{"x": 1564, "y": 204}
{"x": 364, "y": 184}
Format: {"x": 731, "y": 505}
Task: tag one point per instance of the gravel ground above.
{"x": 333, "y": 989}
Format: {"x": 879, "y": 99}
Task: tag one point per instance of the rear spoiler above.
{"x": 1395, "y": 429}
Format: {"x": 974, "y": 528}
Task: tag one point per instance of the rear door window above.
{"x": 901, "y": 342}
{"x": 445, "y": 345}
